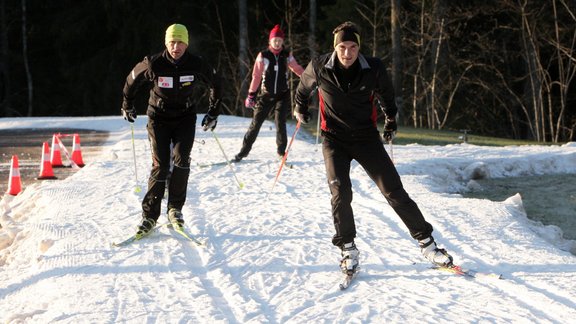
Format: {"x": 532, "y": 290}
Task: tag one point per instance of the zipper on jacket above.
{"x": 276, "y": 70}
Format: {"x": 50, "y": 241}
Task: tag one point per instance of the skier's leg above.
{"x": 159, "y": 136}
{"x": 374, "y": 159}
{"x": 260, "y": 113}
{"x": 183, "y": 140}
{"x": 337, "y": 163}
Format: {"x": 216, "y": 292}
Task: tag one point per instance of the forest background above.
{"x": 502, "y": 68}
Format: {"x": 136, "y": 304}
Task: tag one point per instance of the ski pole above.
{"x": 240, "y": 184}
{"x": 390, "y": 142}
{"x": 318, "y": 127}
{"x": 391, "y": 151}
{"x": 284, "y": 159}
{"x": 137, "y": 189}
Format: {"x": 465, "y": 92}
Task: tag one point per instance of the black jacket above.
{"x": 177, "y": 87}
{"x": 347, "y": 111}
{"x": 275, "y": 78}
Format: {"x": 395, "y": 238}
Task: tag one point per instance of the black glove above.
{"x": 129, "y": 115}
{"x": 209, "y": 122}
{"x": 390, "y": 128}
{"x": 304, "y": 118}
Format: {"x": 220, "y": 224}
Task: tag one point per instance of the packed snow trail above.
{"x": 271, "y": 261}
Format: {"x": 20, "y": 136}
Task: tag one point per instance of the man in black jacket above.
{"x": 348, "y": 85}
{"x": 178, "y": 81}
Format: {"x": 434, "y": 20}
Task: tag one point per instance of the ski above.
{"x": 222, "y": 163}
{"x": 469, "y": 273}
{"x": 208, "y": 165}
{"x": 182, "y": 231}
{"x": 135, "y": 238}
{"x": 126, "y": 241}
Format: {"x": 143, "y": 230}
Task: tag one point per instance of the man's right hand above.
{"x": 129, "y": 115}
{"x": 303, "y": 118}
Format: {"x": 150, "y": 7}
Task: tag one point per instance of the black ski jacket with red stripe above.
{"x": 347, "y": 112}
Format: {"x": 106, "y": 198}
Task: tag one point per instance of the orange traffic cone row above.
{"x": 56, "y": 157}
{"x": 77, "y": 152}
{"x": 14, "y": 182}
{"x": 46, "y": 171}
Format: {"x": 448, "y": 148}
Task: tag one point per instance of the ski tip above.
{"x": 117, "y": 244}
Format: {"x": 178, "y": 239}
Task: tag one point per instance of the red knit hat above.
{"x": 276, "y": 32}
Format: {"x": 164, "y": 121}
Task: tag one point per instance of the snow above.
{"x": 271, "y": 260}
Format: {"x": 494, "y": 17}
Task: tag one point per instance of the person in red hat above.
{"x": 269, "y": 90}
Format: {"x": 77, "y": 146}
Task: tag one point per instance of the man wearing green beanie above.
{"x": 177, "y": 80}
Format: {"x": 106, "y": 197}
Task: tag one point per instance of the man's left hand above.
{"x": 209, "y": 122}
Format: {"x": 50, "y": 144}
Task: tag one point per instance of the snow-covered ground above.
{"x": 271, "y": 260}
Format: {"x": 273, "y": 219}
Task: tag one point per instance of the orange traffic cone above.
{"x": 77, "y": 152}
{"x": 46, "y": 171}
{"x": 14, "y": 183}
{"x": 56, "y": 157}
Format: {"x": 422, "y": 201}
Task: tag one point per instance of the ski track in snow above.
{"x": 268, "y": 256}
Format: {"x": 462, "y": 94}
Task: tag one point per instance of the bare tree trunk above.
{"x": 418, "y": 73}
{"x": 229, "y": 58}
{"x": 244, "y": 64}
{"x": 312, "y": 28}
{"x": 25, "y": 57}
{"x": 533, "y": 88}
{"x": 313, "y": 13}
{"x": 397, "y": 63}
{"x": 566, "y": 68}
{"x": 4, "y": 66}
{"x": 433, "y": 118}
{"x": 374, "y": 16}
{"x": 292, "y": 16}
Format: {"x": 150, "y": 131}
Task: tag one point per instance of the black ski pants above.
{"x": 169, "y": 139}
{"x": 372, "y": 156}
{"x": 266, "y": 102}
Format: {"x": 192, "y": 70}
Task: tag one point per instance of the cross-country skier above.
{"x": 348, "y": 84}
{"x": 270, "y": 75}
{"x": 178, "y": 81}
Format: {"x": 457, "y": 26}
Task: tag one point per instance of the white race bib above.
{"x": 165, "y": 82}
{"x": 187, "y": 78}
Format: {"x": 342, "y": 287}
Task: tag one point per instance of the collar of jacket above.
{"x": 167, "y": 56}
{"x": 330, "y": 64}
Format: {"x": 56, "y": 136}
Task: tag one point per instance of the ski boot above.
{"x": 176, "y": 218}
{"x": 349, "y": 261}
{"x": 145, "y": 227}
{"x": 434, "y": 254}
